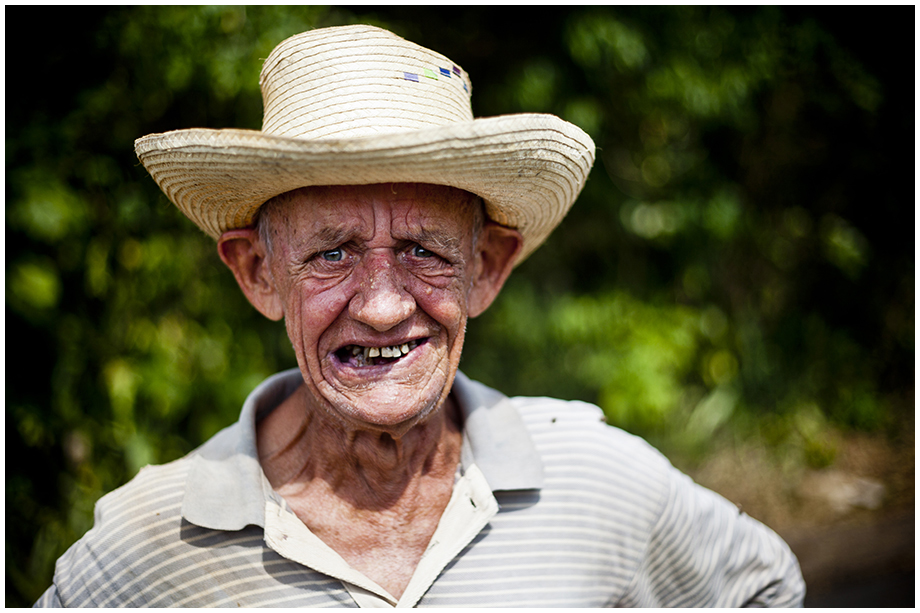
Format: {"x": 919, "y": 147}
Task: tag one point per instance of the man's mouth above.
{"x": 359, "y": 355}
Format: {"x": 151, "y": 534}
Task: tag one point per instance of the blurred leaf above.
{"x": 48, "y": 210}
{"x": 34, "y": 285}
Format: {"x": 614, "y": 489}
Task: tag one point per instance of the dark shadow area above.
{"x": 865, "y": 564}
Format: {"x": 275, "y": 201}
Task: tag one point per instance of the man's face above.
{"x": 374, "y": 282}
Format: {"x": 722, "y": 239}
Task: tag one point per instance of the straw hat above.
{"x": 357, "y": 105}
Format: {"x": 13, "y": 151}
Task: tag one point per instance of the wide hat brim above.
{"x": 528, "y": 168}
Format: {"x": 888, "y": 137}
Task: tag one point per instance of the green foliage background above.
{"x": 741, "y": 260}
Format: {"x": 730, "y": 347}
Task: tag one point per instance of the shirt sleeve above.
{"x": 49, "y": 599}
{"x": 704, "y": 552}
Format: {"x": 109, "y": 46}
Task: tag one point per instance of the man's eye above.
{"x": 420, "y": 252}
{"x": 333, "y": 255}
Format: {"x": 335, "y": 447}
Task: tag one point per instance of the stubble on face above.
{"x": 375, "y": 282}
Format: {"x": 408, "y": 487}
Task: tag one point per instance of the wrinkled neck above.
{"x": 300, "y": 445}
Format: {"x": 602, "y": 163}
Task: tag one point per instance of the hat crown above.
{"x": 358, "y": 81}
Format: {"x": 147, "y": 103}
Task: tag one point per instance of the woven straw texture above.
{"x": 357, "y": 105}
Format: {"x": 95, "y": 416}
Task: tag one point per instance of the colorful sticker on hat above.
{"x": 430, "y": 74}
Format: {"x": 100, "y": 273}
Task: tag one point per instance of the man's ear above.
{"x": 497, "y": 249}
{"x": 244, "y": 254}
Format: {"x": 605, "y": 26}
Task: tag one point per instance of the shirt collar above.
{"x": 226, "y": 488}
{"x": 495, "y": 438}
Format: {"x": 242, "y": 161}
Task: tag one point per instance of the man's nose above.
{"x": 381, "y": 300}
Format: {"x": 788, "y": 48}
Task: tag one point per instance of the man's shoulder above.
{"x": 576, "y": 443}
{"x": 154, "y": 486}
{"x": 613, "y": 481}
{"x": 573, "y": 422}
{"x": 129, "y": 523}
{"x": 149, "y": 503}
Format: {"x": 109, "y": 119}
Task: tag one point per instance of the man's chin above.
{"x": 382, "y": 408}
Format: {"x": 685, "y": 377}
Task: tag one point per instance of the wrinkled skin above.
{"x": 365, "y": 451}
{"x": 376, "y": 266}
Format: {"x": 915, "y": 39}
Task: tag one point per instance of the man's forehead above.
{"x": 333, "y": 210}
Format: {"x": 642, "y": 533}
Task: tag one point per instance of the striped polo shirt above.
{"x": 551, "y": 508}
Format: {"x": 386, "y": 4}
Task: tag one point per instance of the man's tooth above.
{"x": 393, "y": 351}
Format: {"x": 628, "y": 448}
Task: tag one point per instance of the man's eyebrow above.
{"x": 331, "y": 236}
{"x": 436, "y": 238}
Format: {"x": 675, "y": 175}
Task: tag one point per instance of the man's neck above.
{"x": 376, "y": 500}
{"x": 298, "y": 444}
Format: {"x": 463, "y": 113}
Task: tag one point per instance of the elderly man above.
{"x": 374, "y": 215}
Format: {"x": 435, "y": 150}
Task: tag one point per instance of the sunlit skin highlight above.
{"x": 366, "y": 449}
